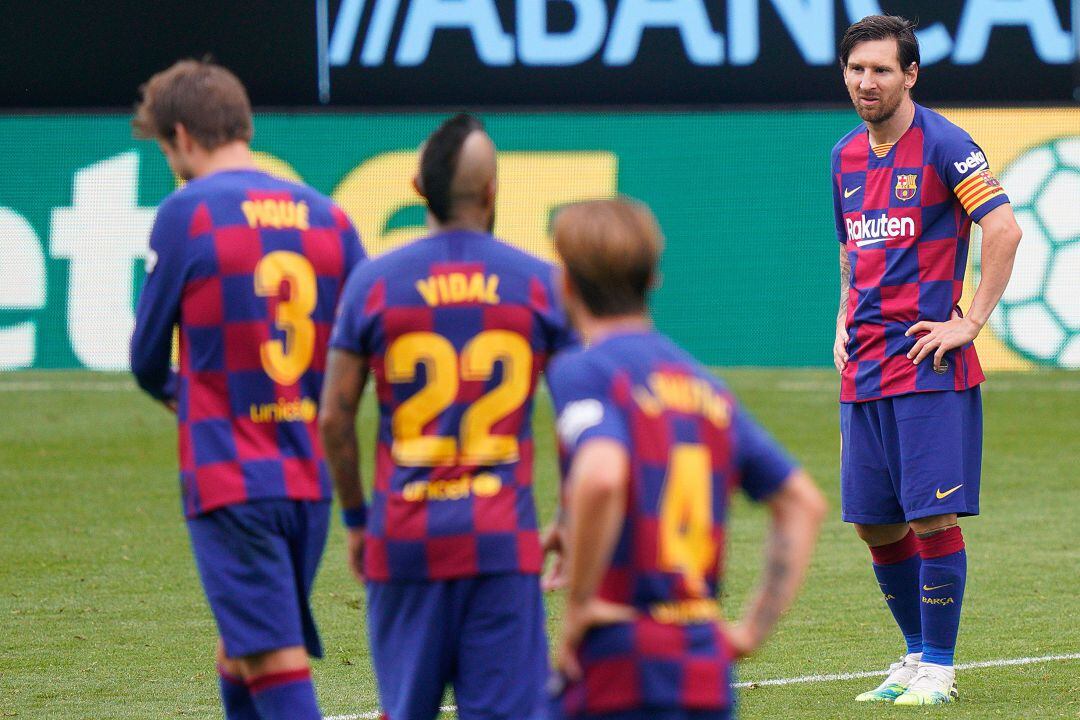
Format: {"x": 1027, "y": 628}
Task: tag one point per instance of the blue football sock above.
{"x": 285, "y": 696}
{"x": 942, "y": 580}
{"x": 235, "y": 698}
{"x": 897, "y": 568}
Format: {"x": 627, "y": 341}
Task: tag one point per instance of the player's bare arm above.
{"x": 1000, "y": 238}
{"x": 840, "y": 354}
{"x": 343, "y": 387}
{"x": 553, "y": 544}
{"x": 598, "y": 486}
{"x": 798, "y": 509}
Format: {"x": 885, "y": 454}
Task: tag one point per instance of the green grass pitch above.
{"x": 102, "y": 615}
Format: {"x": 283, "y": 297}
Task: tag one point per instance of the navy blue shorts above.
{"x": 911, "y": 456}
{"x": 483, "y": 635}
{"x": 257, "y": 562}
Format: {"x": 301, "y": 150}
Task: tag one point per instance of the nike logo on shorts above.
{"x": 942, "y": 495}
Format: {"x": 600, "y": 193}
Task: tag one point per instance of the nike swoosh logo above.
{"x": 947, "y": 493}
{"x": 849, "y": 193}
{"x": 927, "y": 588}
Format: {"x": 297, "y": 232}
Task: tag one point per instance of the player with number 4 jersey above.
{"x": 250, "y": 268}
{"x": 456, "y": 328}
{"x": 653, "y": 447}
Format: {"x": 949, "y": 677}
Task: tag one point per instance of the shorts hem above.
{"x": 930, "y": 512}
{"x": 872, "y": 519}
{"x": 269, "y": 647}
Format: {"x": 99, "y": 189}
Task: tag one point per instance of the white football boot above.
{"x": 933, "y": 685}
{"x": 901, "y": 675}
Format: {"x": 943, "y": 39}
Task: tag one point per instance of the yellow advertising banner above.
{"x": 1035, "y": 153}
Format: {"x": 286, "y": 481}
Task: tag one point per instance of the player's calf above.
{"x": 235, "y": 696}
{"x": 897, "y": 569}
{"x": 943, "y": 576}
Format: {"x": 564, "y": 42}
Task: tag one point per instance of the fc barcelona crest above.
{"x": 905, "y": 186}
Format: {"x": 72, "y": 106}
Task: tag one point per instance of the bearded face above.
{"x": 875, "y": 81}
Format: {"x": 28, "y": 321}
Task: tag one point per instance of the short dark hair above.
{"x": 883, "y": 27}
{"x": 439, "y": 161}
{"x": 610, "y": 249}
{"x": 208, "y": 100}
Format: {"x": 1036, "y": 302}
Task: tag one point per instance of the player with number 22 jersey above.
{"x": 456, "y": 328}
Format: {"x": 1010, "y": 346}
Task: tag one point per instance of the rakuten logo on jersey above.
{"x": 974, "y": 161}
{"x": 867, "y": 231}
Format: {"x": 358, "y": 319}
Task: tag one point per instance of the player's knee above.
{"x": 875, "y": 535}
{"x": 230, "y": 665}
{"x": 928, "y": 526}
{"x": 273, "y": 661}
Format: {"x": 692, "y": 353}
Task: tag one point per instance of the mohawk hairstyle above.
{"x": 439, "y": 161}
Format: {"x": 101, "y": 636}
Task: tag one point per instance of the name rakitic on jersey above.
{"x": 685, "y": 394}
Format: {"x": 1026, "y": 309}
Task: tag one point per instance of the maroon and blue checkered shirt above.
{"x": 690, "y": 446}
{"x": 905, "y": 219}
{"x": 250, "y": 267}
{"x": 457, "y": 328}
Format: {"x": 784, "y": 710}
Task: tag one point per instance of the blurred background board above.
{"x": 510, "y": 53}
{"x": 744, "y": 198}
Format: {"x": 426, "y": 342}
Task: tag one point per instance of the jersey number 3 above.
{"x": 286, "y": 361}
{"x": 475, "y": 444}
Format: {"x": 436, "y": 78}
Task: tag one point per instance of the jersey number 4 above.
{"x": 687, "y": 544}
{"x": 476, "y": 444}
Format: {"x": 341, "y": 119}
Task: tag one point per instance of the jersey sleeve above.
{"x": 560, "y": 334}
{"x": 584, "y": 408}
{"x": 763, "y": 464}
{"x": 357, "y": 313}
{"x": 965, "y": 169}
{"x": 158, "y": 309}
{"x": 353, "y": 249}
{"x": 838, "y": 208}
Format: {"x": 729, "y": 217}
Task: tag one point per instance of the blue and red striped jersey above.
{"x": 690, "y": 446}
{"x": 457, "y": 328}
{"x": 905, "y": 219}
{"x": 250, "y": 268}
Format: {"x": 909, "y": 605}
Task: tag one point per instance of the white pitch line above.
{"x": 1004, "y": 662}
{"x": 375, "y": 714}
{"x": 47, "y": 386}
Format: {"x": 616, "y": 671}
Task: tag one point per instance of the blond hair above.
{"x": 610, "y": 249}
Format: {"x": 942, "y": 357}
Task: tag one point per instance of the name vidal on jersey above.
{"x": 456, "y": 288}
{"x": 867, "y": 231}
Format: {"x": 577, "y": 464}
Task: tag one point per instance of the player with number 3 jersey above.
{"x": 250, "y": 268}
{"x": 653, "y": 446}
{"x": 456, "y": 328}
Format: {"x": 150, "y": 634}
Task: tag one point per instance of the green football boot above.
{"x": 933, "y": 685}
{"x": 901, "y": 675}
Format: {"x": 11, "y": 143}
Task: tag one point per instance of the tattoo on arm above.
{"x": 776, "y": 589}
{"x": 345, "y": 455}
{"x": 845, "y": 283}
{"x": 340, "y": 401}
